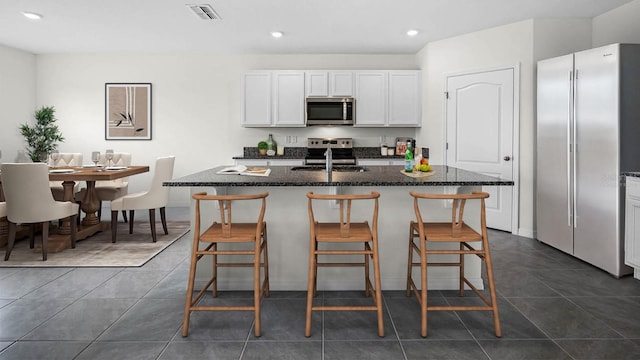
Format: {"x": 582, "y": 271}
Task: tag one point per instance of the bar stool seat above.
{"x": 221, "y": 231}
{"x": 345, "y": 231}
{"x": 456, "y": 231}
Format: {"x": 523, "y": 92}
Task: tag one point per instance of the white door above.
{"x": 480, "y": 121}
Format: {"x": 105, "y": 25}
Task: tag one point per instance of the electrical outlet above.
{"x": 294, "y": 139}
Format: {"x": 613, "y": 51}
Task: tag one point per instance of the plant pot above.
{"x": 262, "y": 151}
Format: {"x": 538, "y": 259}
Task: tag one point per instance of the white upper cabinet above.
{"x": 384, "y": 98}
{"x": 273, "y": 98}
{"x": 388, "y": 98}
{"x": 329, "y": 83}
{"x": 340, "y": 83}
{"x": 288, "y": 93}
{"x": 317, "y": 83}
{"x": 405, "y": 98}
{"x": 371, "y": 98}
{"x": 256, "y": 99}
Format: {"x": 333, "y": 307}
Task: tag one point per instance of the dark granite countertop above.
{"x": 631, "y": 174}
{"x": 374, "y": 176}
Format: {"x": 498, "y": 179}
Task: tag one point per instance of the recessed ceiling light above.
{"x": 412, "y": 32}
{"x": 277, "y": 34}
{"x": 31, "y": 15}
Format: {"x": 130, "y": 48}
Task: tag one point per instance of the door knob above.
{"x": 507, "y": 158}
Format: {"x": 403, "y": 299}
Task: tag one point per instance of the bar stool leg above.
{"x": 257, "y": 295}
{"x": 423, "y": 288}
{"x": 311, "y": 283}
{"x": 367, "y": 280}
{"x": 378, "y": 290}
{"x": 190, "y": 285}
{"x": 266, "y": 262}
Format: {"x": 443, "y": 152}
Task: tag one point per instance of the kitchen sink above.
{"x": 340, "y": 168}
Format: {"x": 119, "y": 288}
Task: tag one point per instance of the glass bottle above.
{"x": 271, "y": 146}
{"x": 408, "y": 158}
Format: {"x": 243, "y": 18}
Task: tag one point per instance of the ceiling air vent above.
{"x": 204, "y": 11}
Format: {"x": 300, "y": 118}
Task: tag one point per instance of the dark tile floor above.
{"x": 552, "y": 306}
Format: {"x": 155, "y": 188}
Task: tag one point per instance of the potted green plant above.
{"x": 262, "y": 147}
{"x": 43, "y": 137}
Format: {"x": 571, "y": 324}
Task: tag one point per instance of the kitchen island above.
{"x": 288, "y": 222}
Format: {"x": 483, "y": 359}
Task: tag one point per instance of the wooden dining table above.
{"x": 90, "y": 204}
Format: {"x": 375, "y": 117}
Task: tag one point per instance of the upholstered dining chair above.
{"x": 3, "y": 210}
{"x": 156, "y": 197}
{"x": 111, "y": 189}
{"x": 29, "y": 201}
{"x": 64, "y": 160}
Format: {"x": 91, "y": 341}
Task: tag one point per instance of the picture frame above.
{"x": 127, "y": 111}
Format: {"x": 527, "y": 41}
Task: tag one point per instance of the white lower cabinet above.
{"x": 632, "y": 225}
{"x": 380, "y": 162}
{"x": 270, "y": 162}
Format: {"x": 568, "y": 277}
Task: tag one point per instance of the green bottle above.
{"x": 408, "y": 158}
{"x": 271, "y": 146}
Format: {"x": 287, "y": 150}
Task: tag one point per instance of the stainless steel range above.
{"x": 341, "y": 150}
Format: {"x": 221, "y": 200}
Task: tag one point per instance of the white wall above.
{"x": 560, "y": 36}
{"x": 195, "y": 104}
{"x": 501, "y": 46}
{"x": 17, "y": 98}
{"x": 521, "y": 43}
{"x": 620, "y": 25}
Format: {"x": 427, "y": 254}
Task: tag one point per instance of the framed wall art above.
{"x": 127, "y": 111}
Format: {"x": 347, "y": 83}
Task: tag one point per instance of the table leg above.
{"x": 67, "y": 186}
{"x": 90, "y": 205}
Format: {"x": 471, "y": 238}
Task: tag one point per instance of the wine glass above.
{"x": 43, "y": 157}
{"x": 95, "y": 157}
{"x": 109, "y": 155}
{"x": 55, "y": 155}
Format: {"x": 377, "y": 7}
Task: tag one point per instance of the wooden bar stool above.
{"x": 226, "y": 231}
{"x": 455, "y": 231}
{"x": 345, "y": 231}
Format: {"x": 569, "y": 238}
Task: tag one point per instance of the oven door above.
{"x": 330, "y": 111}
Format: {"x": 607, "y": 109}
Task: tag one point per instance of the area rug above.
{"x": 98, "y": 250}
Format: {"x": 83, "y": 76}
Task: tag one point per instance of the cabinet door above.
{"x": 256, "y": 99}
{"x": 317, "y": 83}
{"x": 341, "y": 83}
{"x": 288, "y": 98}
{"x": 404, "y": 98}
{"x": 632, "y": 223}
{"x": 371, "y": 98}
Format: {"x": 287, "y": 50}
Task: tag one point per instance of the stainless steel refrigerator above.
{"x": 588, "y": 133}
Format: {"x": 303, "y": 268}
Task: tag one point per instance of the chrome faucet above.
{"x": 328, "y": 159}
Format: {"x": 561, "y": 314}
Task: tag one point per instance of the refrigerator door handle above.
{"x": 575, "y": 150}
{"x": 569, "y": 144}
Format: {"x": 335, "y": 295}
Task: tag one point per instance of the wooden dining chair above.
{"x": 29, "y": 201}
{"x": 156, "y": 197}
{"x": 456, "y": 231}
{"x": 225, "y": 231}
{"x": 322, "y": 235}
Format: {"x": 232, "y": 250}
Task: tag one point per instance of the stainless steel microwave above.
{"x": 330, "y": 110}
